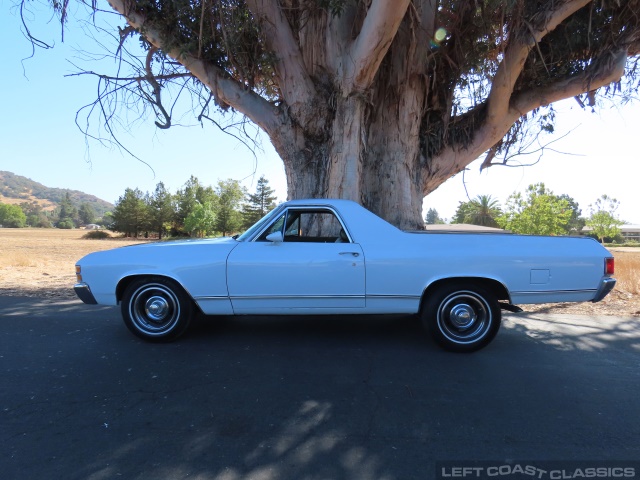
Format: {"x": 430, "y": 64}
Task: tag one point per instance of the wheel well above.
{"x": 493, "y": 286}
{"x": 126, "y": 281}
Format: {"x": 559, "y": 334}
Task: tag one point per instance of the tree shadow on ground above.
{"x": 306, "y": 397}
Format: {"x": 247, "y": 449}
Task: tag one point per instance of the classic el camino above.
{"x": 334, "y": 257}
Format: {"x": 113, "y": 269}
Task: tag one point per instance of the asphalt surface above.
{"x": 306, "y": 398}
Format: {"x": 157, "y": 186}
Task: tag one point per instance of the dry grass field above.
{"x": 40, "y": 262}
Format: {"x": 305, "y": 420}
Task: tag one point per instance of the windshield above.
{"x": 258, "y": 225}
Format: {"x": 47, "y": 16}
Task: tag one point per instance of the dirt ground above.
{"x": 41, "y": 263}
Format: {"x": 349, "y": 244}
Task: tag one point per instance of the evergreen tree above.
{"x": 67, "y": 213}
{"x": 86, "y": 214}
{"x": 130, "y": 213}
{"x": 432, "y": 217}
{"x": 259, "y": 203}
{"x": 161, "y": 210}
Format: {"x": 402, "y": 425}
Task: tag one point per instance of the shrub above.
{"x": 66, "y": 224}
{"x": 96, "y": 235}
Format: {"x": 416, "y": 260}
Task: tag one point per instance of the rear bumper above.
{"x": 605, "y": 287}
{"x": 84, "y": 293}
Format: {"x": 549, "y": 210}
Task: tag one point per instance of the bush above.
{"x": 12, "y": 216}
{"x": 66, "y": 224}
{"x": 96, "y": 235}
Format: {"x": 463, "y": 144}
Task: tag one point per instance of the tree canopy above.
{"x": 374, "y": 100}
{"x": 540, "y": 212}
{"x": 603, "y": 221}
{"x": 12, "y": 216}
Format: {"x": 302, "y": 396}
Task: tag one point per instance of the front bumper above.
{"x": 605, "y": 287}
{"x": 84, "y": 293}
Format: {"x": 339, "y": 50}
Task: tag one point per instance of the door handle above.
{"x": 355, "y": 254}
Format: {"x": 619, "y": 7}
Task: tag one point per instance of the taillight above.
{"x": 609, "y": 266}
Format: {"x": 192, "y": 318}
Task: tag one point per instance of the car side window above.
{"x": 314, "y": 226}
{"x": 308, "y": 225}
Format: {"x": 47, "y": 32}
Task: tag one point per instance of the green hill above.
{"x": 17, "y": 189}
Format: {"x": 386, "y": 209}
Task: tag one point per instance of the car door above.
{"x": 312, "y": 267}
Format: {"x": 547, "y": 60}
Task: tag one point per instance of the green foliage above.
{"x": 201, "y": 221}
{"x": 482, "y": 210}
{"x": 603, "y": 220}
{"x": 36, "y": 216}
{"x": 65, "y": 224}
{"x": 67, "y": 213}
{"x": 539, "y": 213}
{"x": 161, "y": 210}
{"x": 230, "y": 196}
{"x": 130, "y": 214}
{"x": 259, "y": 203}
{"x": 191, "y": 194}
{"x": 195, "y": 210}
{"x": 96, "y": 235}
{"x": 86, "y": 214}
{"x": 432, "y": 217}
{"x": 576, "y": 222}
{"x": 39, "y": 221}
{"x": 12, "y": 216}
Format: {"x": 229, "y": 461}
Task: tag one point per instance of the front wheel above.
{"x": 156, "y": 309}
{"x": 462, "y": 318}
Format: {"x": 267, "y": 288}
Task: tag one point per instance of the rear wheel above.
{"x": 462, "y": 318}
{"x": 156, "y": 309}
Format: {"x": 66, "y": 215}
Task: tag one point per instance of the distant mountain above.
{"x": 17, "y": 189}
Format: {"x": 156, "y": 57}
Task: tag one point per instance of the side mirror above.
{"x": 275, "y": 237}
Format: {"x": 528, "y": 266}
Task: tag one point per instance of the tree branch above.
{"x": 223, "y": 87}
{"x": 569, "y": 87}
{"x": 369, "y": 48}
{"x": 516, "y": 54}
{"x": 452, "y": 160}
{"x": 294, "y": 82}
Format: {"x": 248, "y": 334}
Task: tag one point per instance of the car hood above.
{"x": 163, "y": 252}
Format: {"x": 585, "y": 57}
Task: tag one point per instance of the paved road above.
{"x": 305, "y": 398}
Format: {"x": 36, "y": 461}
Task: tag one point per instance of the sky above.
{"x": 40, "y": 140}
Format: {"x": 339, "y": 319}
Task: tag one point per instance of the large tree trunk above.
{"x": 372, "y": 157}
{"x": 371, "y": 152}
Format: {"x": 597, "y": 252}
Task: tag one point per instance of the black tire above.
{"x": 462, "y": 318}
{"x": 156, "y": 309}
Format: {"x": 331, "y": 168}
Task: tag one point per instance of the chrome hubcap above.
{"x": 156, "y": 308}
{"x": 463, "y": 316}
